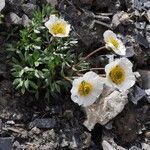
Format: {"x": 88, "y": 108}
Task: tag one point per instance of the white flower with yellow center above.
{"x": 86, "y": 90}
{"x": 113, "y": 43}
{"x": 119, "y": 74}
{"x": 58, "y": 27}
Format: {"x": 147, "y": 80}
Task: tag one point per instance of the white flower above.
{"x": 58, "y": 27}
{"x": 119, "y": 74}
{"x": 86, "y": 89}
{"x": 113, "y": 43}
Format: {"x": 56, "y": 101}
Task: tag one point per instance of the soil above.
{"x": 26, "y": 123}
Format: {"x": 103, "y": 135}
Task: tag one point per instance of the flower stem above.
{"x": 68, "y": 79}
{"x": 89, "y": 55}
{"x": 91, "y": 69}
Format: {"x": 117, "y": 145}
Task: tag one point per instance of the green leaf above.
{"x": 33, "y": 85}
{"x": 26, "y": 84}
{"x": 17, "y": 81}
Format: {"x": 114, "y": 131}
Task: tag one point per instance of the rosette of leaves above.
{"x": 40, "y": 61}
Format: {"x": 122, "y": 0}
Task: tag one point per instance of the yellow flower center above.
{"x": 85, "y": 88}
{"x": 58, "y": 28}
{"x": 117, "y": 75}
{"x": 114, "y": 41}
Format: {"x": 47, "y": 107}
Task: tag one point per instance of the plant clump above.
{"x": 40, "y": 60}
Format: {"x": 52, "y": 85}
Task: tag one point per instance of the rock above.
{"x": 145, "y": 76}
{"x": 6, "y": 143}
{"x": 130, "y": 51}
{"x": 139, "y": 38}
{"x": 1, "y": 123}
{"x": 64, "y": 143}
{"x": 16, "y": 145}
{"x": 2, "y": 4}
{"x": 73, "y": 143}
{"x": 52, "y": 2}
{"x": 148, "y": 15}
{"x": 136, "y": 94}
{"x": 26, "y": 21}
{"x": 145, "y": 146}
{"x": 86, "y": 139}
{"x": 147, "y": 5}
{"x": 143, "y": 114}
{"x": 68, "y": 113}
{"x": 138, "y": 4}
{"x": 36, "y": 130}
{"x": 147, "y": 91}
{"x": 134, "y": 148}
{"x": 49, "y": 135}
{"x": 148, "y": 34}
{"x": 140, "y": 25}
{"x": 105, "y": 109}
{"x": 28, "y": 8}
{"x": 15, "y": 19}
{"x": 10, "y": 122}
{"x": 126, "y": 126}
{"x": 147, "y": 134}
{"x": 109, "y": 144}
{"x": 108, "y": 126}
{"x": 45, "y": 123}
{"x": 120, "y": 18}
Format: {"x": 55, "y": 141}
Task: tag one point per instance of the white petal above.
{"x": 89, "y": 74}
{"x": 53, "y": 18}
{"x": 48, "y": 23}
{"x": 77, "y": 99}
{"x": 127, "y": 84}
{"x": 75, "y": 85}
{"x": 87, "y": 101}
{"x": 125, "y": 63}
{"x": 107, "y": 34}
{"x": 122, "y": 49}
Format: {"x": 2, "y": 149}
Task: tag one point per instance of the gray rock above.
{"x": 2, "y": 4}
{"x": 140, "y": 25}
{"x": 145, "y": 146}
{"x": 120, "y": 18}
{"x": 33, "y": 2}
{"x": 1, "y": 125}
{"x": 109, "y": 144}
{"x": 16, "y": 145}
{"x": 137, "y": 4}
{"x": 136, "y": 94}
{"x": 105, "y": 109}
{"x": 147, "y": 5}
{"x": 28, "y": 8}
{"x": 139, "y": 38}
{"x": 6, "y": 143}
{"x": 145, "y": 75}
{"x": 36, "y": 130}
{"x": 15, "y": 19}
{"x": 26, "y": 21}
{"x": 148, "y": 15}
{"x": 147, "y": 134}
{"x": 10, "y": 122}
{"x": 135, "y": 148}
{"x": 130, "y": 51}
{"x": 148, "y": 34}
{"x": 45, "y": 123}
{"x": 52, "y": 2}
